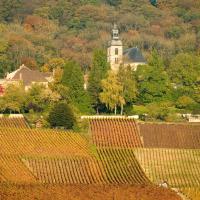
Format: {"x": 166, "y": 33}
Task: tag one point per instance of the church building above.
{"x": 117, "y": 56}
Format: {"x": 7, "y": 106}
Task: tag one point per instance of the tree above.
{"x": 161, "y": 110}
{"x": 53, "y": 64}
{"x": 39, "y": 97}
{"x": 184, "y": 73}
{"x": 97, "y": 73}
{"x": 19, "y": 47}
{"x": 4, "y": 63}
{"x": 9, "y": 9}
{"x": 73, "y": 79}
{"x": 184, "y": 102}
{"x": 153, "y": 81}
{"x": 13, "y": 99}
{"x": 140, "y": 110}
{"x": 127, "y": 80}
{"x": 61, "y": 116}
{"x": 112, "y": 94}
{"x": 179, "y": 68}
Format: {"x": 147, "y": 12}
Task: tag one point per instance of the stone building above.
{"x": 117, "y": 56}
{"x": 27, "y": 77}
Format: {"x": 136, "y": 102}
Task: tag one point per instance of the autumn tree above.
{"x": 56, "y": 66}
{"x": 38, "y": 98}
{"x": 19, "y": 47}
{"x": 112, "y": 94}
{"x": 126, "y": 76}
{"x": 13, "y": 99}
{"x": 52, "y": 64}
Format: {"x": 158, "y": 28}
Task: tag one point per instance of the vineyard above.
{"x": 60, "y": 157}
{"x": 165, "y": 152}
{"x": 172, "y": 153}
{"x": 115, "y": 133}
{"x": 42, "y": 142}
{"x": 182, "y": 136}
{"x": 170, "y": 165}
{"x": 121, "y": 166}
{"x": 119, "y": 152}
{"x": 12, "y": 122}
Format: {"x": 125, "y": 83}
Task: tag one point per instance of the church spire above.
{"x": 115, "y": 50}
{"x": 115, "y": 32}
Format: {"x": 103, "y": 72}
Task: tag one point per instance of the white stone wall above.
{"x": 134, "y": 66}
{"x": 112, "y": 57}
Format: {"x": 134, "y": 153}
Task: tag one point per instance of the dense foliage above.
{"x": 61, "y": 115}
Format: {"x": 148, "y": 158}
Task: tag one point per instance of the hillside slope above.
{"x": 41, "y": 30}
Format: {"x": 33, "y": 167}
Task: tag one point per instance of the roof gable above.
{"x": 28, "y": 76}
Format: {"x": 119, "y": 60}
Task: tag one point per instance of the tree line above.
{"x": 155, "y": 90}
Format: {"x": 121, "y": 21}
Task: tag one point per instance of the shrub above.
{"x": 140, "y": 110}
{"x": 184, "y": 102}
{"x": 61, "y": 116}
{"x": 161, "y": 110}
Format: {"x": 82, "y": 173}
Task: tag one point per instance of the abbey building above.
{"x": 117, "y": 56}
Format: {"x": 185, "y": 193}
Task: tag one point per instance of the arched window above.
{"x": 116, "y": 51}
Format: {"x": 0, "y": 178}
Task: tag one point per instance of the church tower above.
{"x": 115, "y": 50}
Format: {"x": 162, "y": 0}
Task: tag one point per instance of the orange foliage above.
{"x": 29, "y": 62}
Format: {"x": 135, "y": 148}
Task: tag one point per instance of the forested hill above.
{"x": 35, "y": 31}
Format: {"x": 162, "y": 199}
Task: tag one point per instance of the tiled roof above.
{"x": 133, "y": 55}
{"x": 28, "y": 76}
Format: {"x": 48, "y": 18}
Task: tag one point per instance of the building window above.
{"x": 116, "y": 51}
{"x": 116, "y": 61}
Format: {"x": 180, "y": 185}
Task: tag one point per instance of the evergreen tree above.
{"x": 61, "y": 116}
{"x": 97, "y": 73}
{"x": 73, "y": 79}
